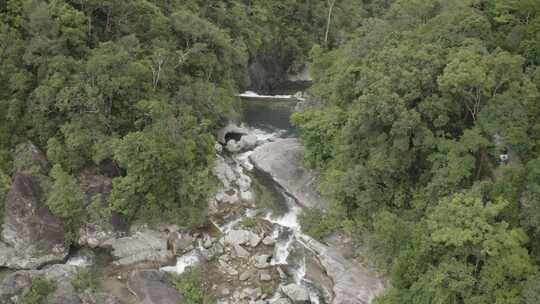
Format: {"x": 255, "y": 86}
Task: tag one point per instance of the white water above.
{"x": 251, "y": 94}
{"x": 287, "y": 231}
{"x": 182, "y": 263}
{"x": 79, "y": 261}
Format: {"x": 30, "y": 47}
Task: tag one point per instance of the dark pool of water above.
{"x": 269, "y": 115}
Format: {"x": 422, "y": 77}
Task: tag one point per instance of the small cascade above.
{"x": 182, "y": 263}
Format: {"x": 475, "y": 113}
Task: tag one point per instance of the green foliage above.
{"x": 167, "y": 167}
{"x": 419, "y": 104}
{"x": 319, "y": 131}
{"x": 142, "y": 85}
{"x": 249, "y": 222}
{"x": 66, "y": 199}
{"x": 85, "y": 281}
{"x": 5, "y": 184}
{"x": 189, "y": 284}
{"x": 39, "y": 291}
{"x": 461, "y": 253}
{"x": 320, "y": 224}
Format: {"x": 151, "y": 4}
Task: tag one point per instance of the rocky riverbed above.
{"x": 254, "y": 251}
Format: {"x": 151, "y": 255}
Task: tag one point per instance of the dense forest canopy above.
{"x": 419, "y": 106}
{"x": 136, "y": 89}
{"x": 420, "y": 98}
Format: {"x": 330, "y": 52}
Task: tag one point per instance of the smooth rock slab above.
{"x": 33, "y": 236}
{"x": 298, "y": 294}
{"x": 282, "y": 160}
{"x": 143, "y": 246}
{"x": 152, "y": 287}
{"x": 353, "y": 283}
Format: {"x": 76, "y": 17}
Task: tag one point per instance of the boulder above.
{"x": 152, "y": 287}
{"x": 282, "y": 160}
{"x": 142, "y": 247}
{"x": 32, "y": 235}
{"x": 298, "y": 294}
{"x": 246, "y": 275}
{"x": 17, "y": 284}
{"x": 247, "y": 142}
{"x": 224, "y": 172}
{"x": 231, "y": 128}
{"x": 264, "y": 276}
{"x": 241, "y": 237}
{"x": 262, "y": 261}
{"x": 353, "y": 283}
{"x": 240, "y": 252}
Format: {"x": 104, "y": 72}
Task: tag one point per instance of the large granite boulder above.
{"x": 230, "y": 131}
{"x": 32, "y": 236}
{"x": 145, "y": 246}
{"x": 353, "y": 283}
{"x": 152, "y": 287}
{"x": 242, "y": 237}
{"x": 282, "y": 160}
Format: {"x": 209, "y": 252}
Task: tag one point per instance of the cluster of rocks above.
{"x": 16, "y": 285}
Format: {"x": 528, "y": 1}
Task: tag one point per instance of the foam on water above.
{"x": 79, "y": 261}
{"x": 182, "y": 263}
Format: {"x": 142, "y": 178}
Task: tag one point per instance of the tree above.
{"x": 331, "y": 4}
{"x": 166, "y": 164}
{"x": 465, "y": 255}
{"x": 65, "y": 198}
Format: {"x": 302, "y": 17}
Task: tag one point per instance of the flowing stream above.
{"x": 269, "y": 119}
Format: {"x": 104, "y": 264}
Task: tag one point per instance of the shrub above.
{"x": 41, "y": 288}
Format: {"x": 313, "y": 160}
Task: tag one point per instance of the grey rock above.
{"x": 244, "y": 183}
{"x": 265, "y": 276}
{"x": 152, "y": 287}
{"x": 282, "y": 160}
{"x": 234, "y": 146}
{"x": 230, "y": 128}
{"x": 224, "y": 172}
{"x": 282, "y": 301}
{"x": 143, "y": 246}
{"x": 251, "y": 293}
{"x": 246, "y": 275}
{"x": 241, "y": 252}
{"x": 181, "y": 243}
{"x": 248, "y": 141}
{"x": 212, "y": 252}
{"x": 353, "y": 283}
{"x": 19, "y": 283}
{"x": 241, "y": 237}
{"x": 228, "y": 268}
{"x": 298, "y": 294}
{"x": 229, "y": 196}
{"x": 261, "y": 261}
{"x": 33, "y": 236}
{"x": 268, "y": 241}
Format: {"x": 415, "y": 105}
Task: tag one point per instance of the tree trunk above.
{"x": 331, "y": 4}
